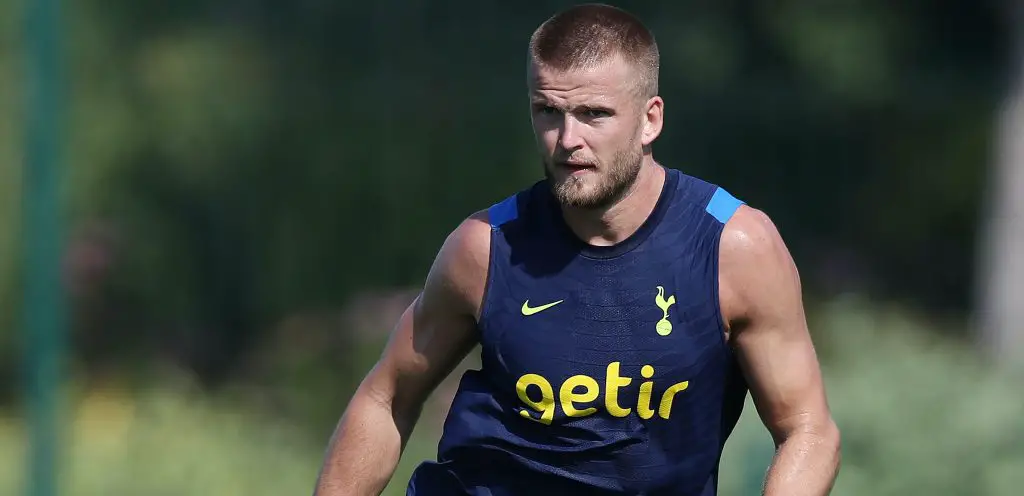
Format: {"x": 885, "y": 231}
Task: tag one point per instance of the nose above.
{"x": 570, "y": 138}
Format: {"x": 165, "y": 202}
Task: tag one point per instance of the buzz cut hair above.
{"x": 585, "y": 36}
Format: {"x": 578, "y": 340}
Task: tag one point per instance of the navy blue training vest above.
{"x": 604, "y": 369}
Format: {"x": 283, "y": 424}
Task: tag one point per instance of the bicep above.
{"x": 437, "y": 330}
{"x": 781, "y": 368}
{"x": 770, "y": 333}
{"x": 428, "y": 342}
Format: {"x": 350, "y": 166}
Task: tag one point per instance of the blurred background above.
{"x": 212, "y": 213}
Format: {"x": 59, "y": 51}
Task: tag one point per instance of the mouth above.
{"x": 576, "y": 167}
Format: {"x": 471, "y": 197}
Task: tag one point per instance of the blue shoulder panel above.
{"x": 723, "y": 205}
{"x": 504, "y": 211}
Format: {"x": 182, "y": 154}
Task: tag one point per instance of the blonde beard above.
{"x": 612, "y": 184}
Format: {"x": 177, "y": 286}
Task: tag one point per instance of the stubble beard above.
{"x": 595, "y": 191}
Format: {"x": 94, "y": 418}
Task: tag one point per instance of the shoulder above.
{"x": 459, "y": 271}
{"x": 750, "y": 236}
{"x": 755, "y": 265}
{"x": 470, "y": 240}
{"x": 466, "y": 251}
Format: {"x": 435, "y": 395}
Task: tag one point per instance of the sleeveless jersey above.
{"x": 604, "y": 369}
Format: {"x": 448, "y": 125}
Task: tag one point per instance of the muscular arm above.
{"x": 433, "y": 335}
{"x": 762, "y": 303}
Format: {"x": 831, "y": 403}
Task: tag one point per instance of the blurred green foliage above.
{"x": 234, "y": 163}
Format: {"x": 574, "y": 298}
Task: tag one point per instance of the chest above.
{"x": 605, "y": 335}
{"x": 650, "y": 315}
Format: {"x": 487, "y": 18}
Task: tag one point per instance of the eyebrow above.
{"x": 596, "y": 104}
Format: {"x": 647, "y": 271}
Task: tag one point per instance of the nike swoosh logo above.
{"x": 528, "y": 310}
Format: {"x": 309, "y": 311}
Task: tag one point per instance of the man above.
{"x": 623, "y": 310}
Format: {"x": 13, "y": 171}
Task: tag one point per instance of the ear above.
{"x": 653, "y": 119}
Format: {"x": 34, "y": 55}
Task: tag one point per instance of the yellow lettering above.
{"x": 643, "y": 403}
{"x": 568, "y": 396}
{"x": 578, "y": 393}
{"x": 546, "y": 405}
{"x": 666, "y": 401}
{"x": 612, "y": 384}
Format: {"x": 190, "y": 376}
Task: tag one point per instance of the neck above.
{"x": 618, "y": 221}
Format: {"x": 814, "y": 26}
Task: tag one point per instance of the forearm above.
{"x": 364, "y": 450}
{"x": 805, "y": 464}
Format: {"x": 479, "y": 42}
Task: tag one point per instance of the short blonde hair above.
{"x": 587, "y": 35}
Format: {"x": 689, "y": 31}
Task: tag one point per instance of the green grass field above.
{"x": 919, "y": 416}
{"x": 167, "y": 443}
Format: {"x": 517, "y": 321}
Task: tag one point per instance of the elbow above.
{"x": 833, "y": 438}
{"x": 822, "y": 436}
{"x": 829, "y": 441}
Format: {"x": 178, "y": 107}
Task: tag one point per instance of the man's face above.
{"x": 589, "y": 125}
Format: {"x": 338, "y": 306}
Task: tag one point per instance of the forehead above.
{"x": 610, "y": 81}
